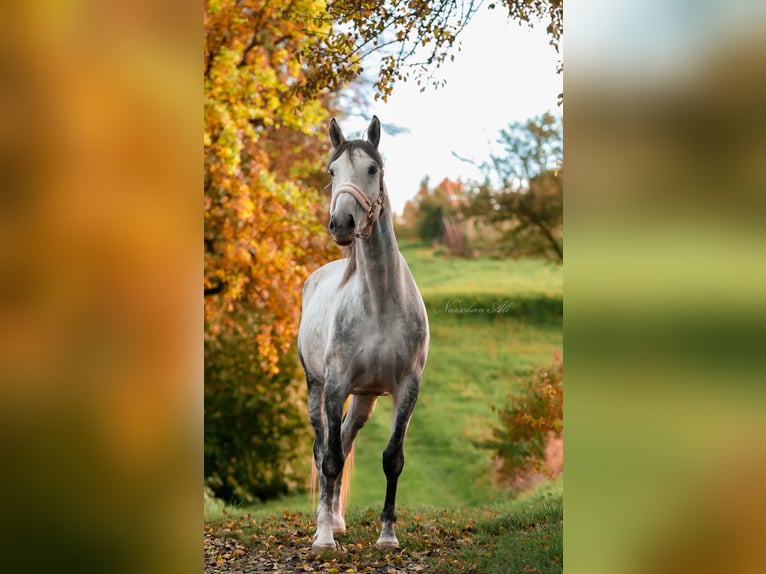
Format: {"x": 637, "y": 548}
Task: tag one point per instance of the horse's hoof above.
{"x": 387, "y": 543}
{"x": 338, "y": 525}
{"x": 323, "y": 546}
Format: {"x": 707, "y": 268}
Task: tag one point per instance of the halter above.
{"x": 369, "y": 206}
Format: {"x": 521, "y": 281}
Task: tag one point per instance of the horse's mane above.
{"x": 350, "y": 253}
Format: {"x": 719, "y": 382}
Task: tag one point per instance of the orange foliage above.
{"x": 264, "y": 156}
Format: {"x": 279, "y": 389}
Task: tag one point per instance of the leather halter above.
{"x": 364, "y": 231}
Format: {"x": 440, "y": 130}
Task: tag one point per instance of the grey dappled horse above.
{"x": 363, "y": 333}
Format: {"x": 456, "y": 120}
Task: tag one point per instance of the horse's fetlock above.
{"x": 388, "y": 516}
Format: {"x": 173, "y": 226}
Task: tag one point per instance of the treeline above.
{"x": 517, "y": 211}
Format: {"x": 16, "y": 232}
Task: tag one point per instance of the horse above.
{"x": 363, "y": 332}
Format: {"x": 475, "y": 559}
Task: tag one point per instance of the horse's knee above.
{"x": 332, "y": 465}
{"x": 393, "y": 462}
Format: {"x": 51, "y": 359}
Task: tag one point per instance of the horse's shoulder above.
{"x": 326, "y": 270}
{"x": 323, "y": 276}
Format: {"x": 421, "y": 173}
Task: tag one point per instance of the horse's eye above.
{"x": 331, "y": 171}
{"x": 373, "y": 170}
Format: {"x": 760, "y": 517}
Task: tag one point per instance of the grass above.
{"x": 493, "y": 322}
{"x": 437, "y": 274}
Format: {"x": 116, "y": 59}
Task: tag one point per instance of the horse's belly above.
{"x": 377, "y": 373}
{"x": 373, "y": 388}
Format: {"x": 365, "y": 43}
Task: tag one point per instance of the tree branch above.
{"x": 216, "y": 289}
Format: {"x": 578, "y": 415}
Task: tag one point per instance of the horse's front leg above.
{"x": 316, "y": 416}
{"x": 330, "y": 469}
{"x": 393, "y": 456}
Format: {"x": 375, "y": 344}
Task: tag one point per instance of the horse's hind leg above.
{"x": 393, "y": 456}
{"x": 359, "y": 412}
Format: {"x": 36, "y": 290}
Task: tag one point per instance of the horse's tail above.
{"x": 348, "y": 469}
{"x": 345, "y": 483}
{"x": 314, "y": 482}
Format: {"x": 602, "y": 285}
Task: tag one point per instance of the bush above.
{"x": 257, "y": 436}
{"x": 528, "y": 422}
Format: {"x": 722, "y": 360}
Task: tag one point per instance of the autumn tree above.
{"x": 411, "y": 38}
{"x": 527, "y": 207}
{"x": 264, "y": 155}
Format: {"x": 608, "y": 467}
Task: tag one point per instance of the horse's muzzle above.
{"x": 342, "y": 229}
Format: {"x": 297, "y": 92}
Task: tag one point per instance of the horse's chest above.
{"x": 372, "y": 347}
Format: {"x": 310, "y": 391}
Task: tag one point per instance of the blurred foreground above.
{"x": 665, "y": 319}
{"x": 100, "y": 314}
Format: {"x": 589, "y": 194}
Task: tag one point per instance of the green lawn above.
{"x": 440, "y": 274}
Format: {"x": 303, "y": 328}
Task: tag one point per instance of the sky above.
{"x": 504, "y": 73}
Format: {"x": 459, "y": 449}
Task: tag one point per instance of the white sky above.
{"x": 504, "y": 73}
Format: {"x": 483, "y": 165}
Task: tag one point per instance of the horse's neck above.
{"x": 379, "y": 267}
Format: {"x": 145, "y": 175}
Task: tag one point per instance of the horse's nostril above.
{"x": 342, "y": 225}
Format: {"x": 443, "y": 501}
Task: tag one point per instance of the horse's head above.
{"x": 357, "y": 184}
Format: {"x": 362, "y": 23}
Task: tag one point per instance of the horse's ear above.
{"x": 336, "y": 136}
{"x": 373, "y": 132}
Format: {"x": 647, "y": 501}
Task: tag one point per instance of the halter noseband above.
{"x": 368, "y": 206}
